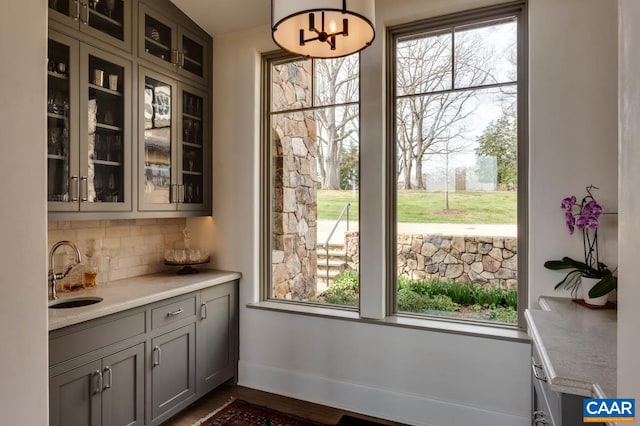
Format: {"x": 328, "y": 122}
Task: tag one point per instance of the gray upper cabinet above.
{"x": 106, "y": 20}
{"x": 216, "y": 336}
{"x": 173, "y": 145}
{"x": 170, "y": 44}
{"x": 104, "y": 160}
{"x": 89, "y": 128}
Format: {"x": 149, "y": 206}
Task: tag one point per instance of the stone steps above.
{"x": 336, "y": 264}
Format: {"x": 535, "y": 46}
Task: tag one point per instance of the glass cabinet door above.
{"x": 107, "y": 20}
{"x": 193, "y": 56}
{"x": 108, "y": 17}
{"x": 105, "y": 158}
{"x": 62, "y": 123}
{"x": 157, "y": 38}
{"x": 65, "y": 11}
{"x": 157, "y": 189}
{"x": 194, "y": 152}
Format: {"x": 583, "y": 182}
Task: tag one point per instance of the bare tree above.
{"x": 336, "y": 83}
{"x": 429, "y": 109}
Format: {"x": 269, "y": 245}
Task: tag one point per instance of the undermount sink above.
{"x": 74, "y": 302}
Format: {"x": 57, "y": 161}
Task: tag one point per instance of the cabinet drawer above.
{"x": 173, "y": 311}
{"x": 67, "y": 344}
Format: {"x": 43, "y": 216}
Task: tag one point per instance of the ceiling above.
{"x": 224, "y": 16}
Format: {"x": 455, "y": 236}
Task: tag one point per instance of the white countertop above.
{"x": 133, "y": 292}
{"x": 578, "y": 346}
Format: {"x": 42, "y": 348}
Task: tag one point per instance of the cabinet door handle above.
{"x": 107, "y": 385}
{"x": 73, "y": 188}
{"x": 541, "y": 377}
{"x": 97, "y": 377}
{"x": 181, "y": 193}
{"x": 181, "y": 59}
{"x": 83, "y": 189}
{"x": 203, "y": 311}
{"x": 174, "y": 193}
{"x": 174, "y": 57}
{"x": 157, "y": 356}
{"x": 174, "y": 313}
{"x": 85, "y": 17}
{"x": 76, "y": 3}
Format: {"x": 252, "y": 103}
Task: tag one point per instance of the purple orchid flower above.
{"x": 568, "y": 203}
{"x": 570, "y": 221}
{"x": 586, "y": 221}
{"x": 592, "y": 208}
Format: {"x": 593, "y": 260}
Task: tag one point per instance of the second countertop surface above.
{"x": 130, "y": 293}
{"x": 578, "y": 346}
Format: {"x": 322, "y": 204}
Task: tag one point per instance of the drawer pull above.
{"x": 540, "y": 418}
{"x": 174, "y": 313}
{"x": 541, "y": 377}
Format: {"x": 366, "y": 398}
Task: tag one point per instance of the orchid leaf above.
{"x": 604, "y": 286}
{"x": 570, "y": 280}
{"x": 556, "y": 265}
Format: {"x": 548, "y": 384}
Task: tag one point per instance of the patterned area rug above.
{"x": 242, "y": 413}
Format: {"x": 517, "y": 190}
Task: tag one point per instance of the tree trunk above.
{"x": 418, "y": 174}
{"x": 407, "y": 172}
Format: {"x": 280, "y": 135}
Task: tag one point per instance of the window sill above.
{"x": 428, "y": 324}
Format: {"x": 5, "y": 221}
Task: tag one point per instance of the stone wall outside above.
{"x": 487, "y": 261}
{"x": 294, "y": 202}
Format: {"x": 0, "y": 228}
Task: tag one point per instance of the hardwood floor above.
{"x": 220, "y": 396}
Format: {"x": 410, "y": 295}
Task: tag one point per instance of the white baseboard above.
{"x": 381, "y": 403}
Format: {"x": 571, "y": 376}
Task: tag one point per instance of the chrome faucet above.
{"x": 52, "y": 270}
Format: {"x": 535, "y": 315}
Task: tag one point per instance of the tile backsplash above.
{"x": 136, "y": 246}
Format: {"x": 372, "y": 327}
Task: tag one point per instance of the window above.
{"x": 311, "y": 161}
{"x": 458, "y": 166}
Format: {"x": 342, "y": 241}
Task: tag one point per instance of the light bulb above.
{"x": 332, "y": 27}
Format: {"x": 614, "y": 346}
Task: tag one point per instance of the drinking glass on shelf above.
{"x": 196, "y": 132}
{"x": 188, "y": 125}
{"x": 109, "y": 7}
{"x": 97, "y": 183}
{"x": 189, "y": 197}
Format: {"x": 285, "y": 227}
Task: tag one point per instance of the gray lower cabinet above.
{"x": 143, "y": 365}
{"x": 552, "y": 408}
{"x": 172, "y": 372}
{"x": 216, "y": 337}
{"x": 74, "y": 397}
{"x": 108, "y": 391}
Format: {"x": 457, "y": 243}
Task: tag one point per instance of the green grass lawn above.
{"x": 428, "y": 207}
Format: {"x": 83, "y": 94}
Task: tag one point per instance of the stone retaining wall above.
{"x": 481, "y": 260}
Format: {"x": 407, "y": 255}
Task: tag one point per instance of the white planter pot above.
{"x": 587, "y": 284}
